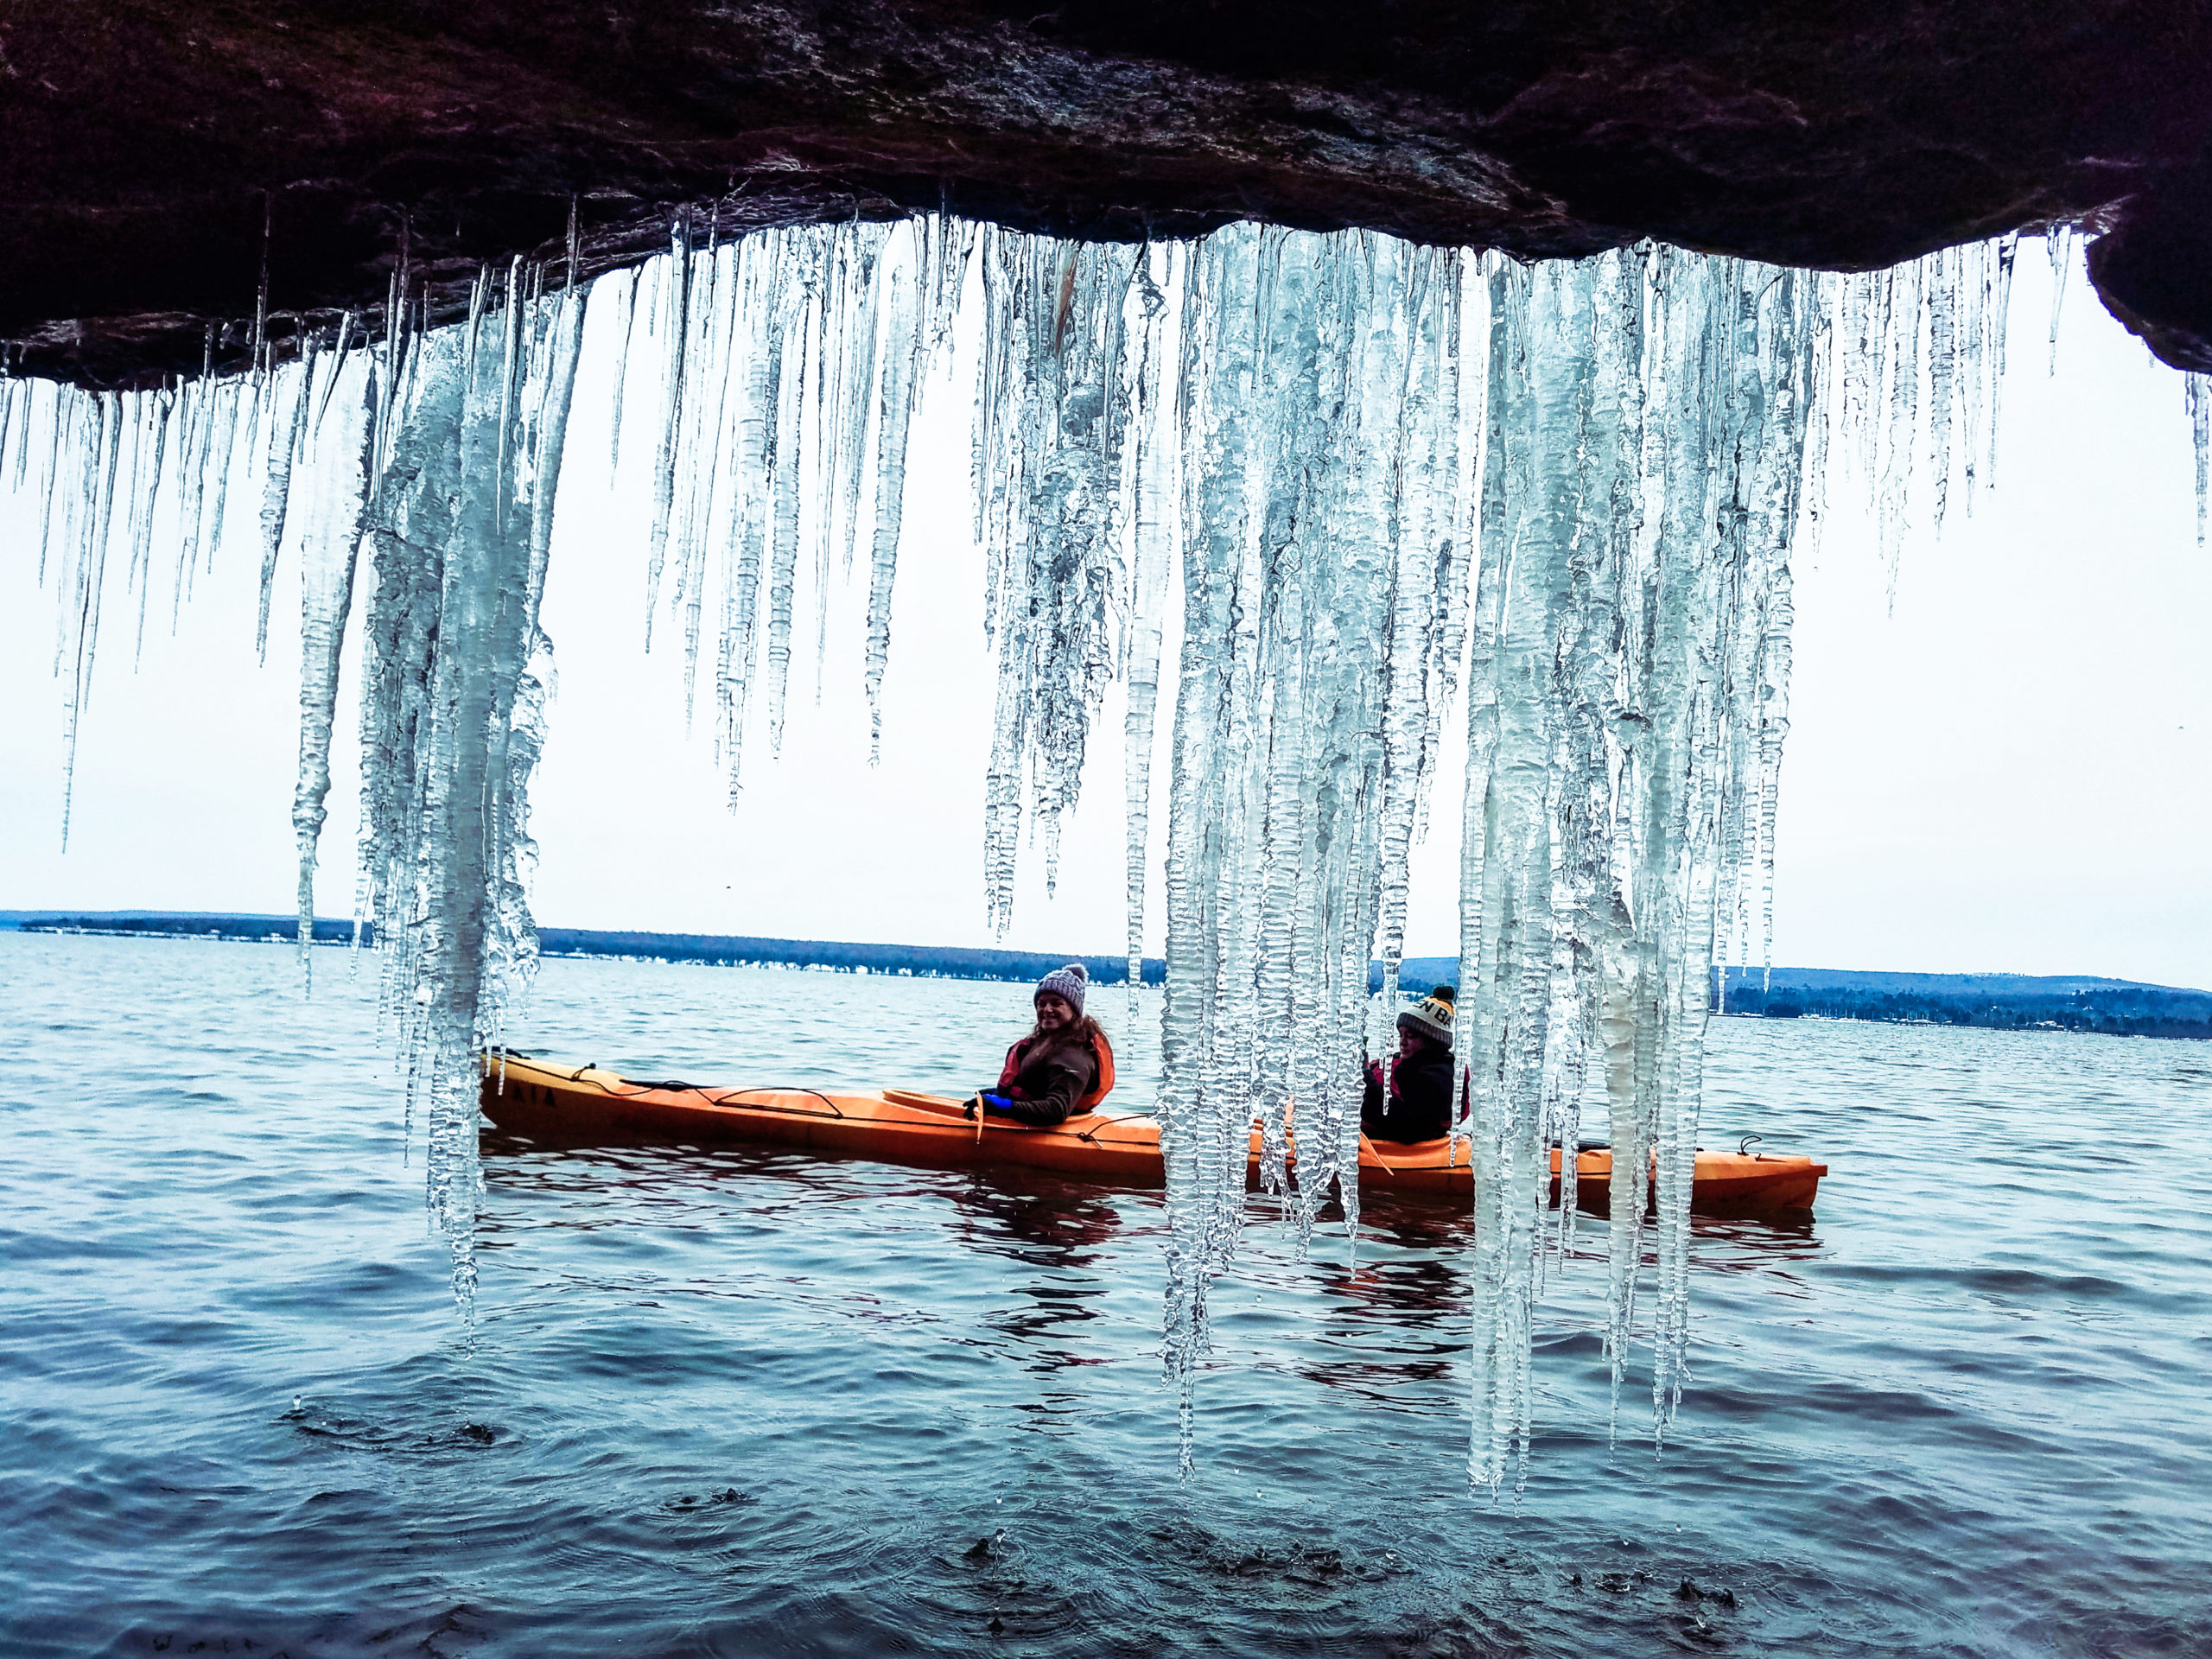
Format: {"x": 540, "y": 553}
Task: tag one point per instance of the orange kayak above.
{"x": 585, "y": 1105}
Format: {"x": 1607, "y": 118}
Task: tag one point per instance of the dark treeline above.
{"x": 189, "y": 924}
{"x": 1996, "y": 1002}
{"x": 942, "y": 962}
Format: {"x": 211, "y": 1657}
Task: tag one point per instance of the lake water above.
{"x": 749, "y": 1403}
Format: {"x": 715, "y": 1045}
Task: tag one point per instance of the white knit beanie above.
{"x": 1066, "y": 982}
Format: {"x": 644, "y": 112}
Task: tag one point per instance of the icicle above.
{"x": 792, "y": 330}
{"x": 2196, "y": 392}
{"x": 261, "y": 293}
{"x": 2058, "y": 243}
{"x": 1294, "y": 401}
{"x": 1944, "y": 295}
{"x": 831, "y": 334}
{"x": 1054, "y": 546}
{"x": 2008, "y": 248}
{"x": 81, "y": 594}
{"x": 632, "y": 281}
{"x": 330, "y": 546}
{"x": 1149, "y": 492}
{"x": 1423, "y": 475}
{"x": 1560, "y": 520}
{"x": 224, "y": 449}
{"x": 23, "y": 446}
{"x": 1903, "y": 403}
{"x": 1627, "y": 703}
{"x": 676, "y": 320}
{"x": 21, "y": 396}
{"x": 285, "y": 437}
{"x": 191, "y": 465}
{"x": 337, "y": 360}
{"x": 395, "y": 329}
{"x": 895, "y": 393}
{"x": 65, "y": 414}
{"x": 149, "y": 429}
{"x": 860, "y": 251}
{"x": 760, "y": 278}
{"x": 702, "y": 461}
{"x": 11, "y": 390}
{"x": 452, "y": 697}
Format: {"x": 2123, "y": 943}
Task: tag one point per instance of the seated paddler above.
{"x": 1063, "y": 1068}
{"x": 1416, "y": 1104}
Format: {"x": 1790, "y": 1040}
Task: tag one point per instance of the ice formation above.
{"x": 2197, "y": 393}
{"x": 1314, "y": 541}
{"x": 1381, "y": 473}
{"x": 454, "y": 688}
{"x": 780, "y": 355}
{"x": 441, "y": 449}
{"x": 338, "y": 447}
{"x": 1648, "y": 426}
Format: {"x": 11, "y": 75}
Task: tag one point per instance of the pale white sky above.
{"x": 2011, "y": 771}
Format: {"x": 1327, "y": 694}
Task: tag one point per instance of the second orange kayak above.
{"x": 585, "y": 1105}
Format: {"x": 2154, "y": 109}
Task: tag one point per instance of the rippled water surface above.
{"x": 750, "y": 1403}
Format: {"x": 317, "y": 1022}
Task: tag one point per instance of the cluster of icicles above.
{"x": 1389, "y": 477}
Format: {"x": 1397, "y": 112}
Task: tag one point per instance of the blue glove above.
{"x": 998, "y": 1105}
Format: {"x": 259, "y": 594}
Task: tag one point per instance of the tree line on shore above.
{"x": 1999, "y": 1002}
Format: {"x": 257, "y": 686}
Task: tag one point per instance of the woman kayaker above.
{"x": 1417, "y": 1103}
{"x": 1064, "y": 1066}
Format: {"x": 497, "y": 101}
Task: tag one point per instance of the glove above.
{"x": 995, "y": 1105}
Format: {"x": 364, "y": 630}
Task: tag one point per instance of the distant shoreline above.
{"x": 930, "y": 961}
{"x": 1994, "y": 1001}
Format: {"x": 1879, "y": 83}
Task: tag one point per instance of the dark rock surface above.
{"x": 145, "y": 145}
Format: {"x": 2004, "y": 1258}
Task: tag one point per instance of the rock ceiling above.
{"x": 158, "y": 155}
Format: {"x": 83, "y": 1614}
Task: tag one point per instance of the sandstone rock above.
{"x": 146, "y": 143}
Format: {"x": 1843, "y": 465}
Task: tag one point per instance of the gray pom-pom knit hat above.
{"x": 1067, "y": 984}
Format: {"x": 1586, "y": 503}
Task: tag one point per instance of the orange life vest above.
{"x": 1102, "y": 1052}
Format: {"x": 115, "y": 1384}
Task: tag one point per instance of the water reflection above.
{"x": 1962, "y": 1412}
{"x": 1035, "y": 1219}
{"x": 1057, "y": 1231}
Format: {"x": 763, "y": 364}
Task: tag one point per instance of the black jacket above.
{"x": 1423, "y": 1089}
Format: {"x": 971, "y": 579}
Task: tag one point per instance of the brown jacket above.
{"x": 1045, "y": 1077}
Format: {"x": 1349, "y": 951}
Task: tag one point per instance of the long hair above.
{"x": 1083, "y": 1028}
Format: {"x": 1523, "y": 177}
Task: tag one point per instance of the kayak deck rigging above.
{"x": 588, "y": 1105}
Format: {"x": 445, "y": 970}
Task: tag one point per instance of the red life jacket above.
{"x": 1102, "y": 1052}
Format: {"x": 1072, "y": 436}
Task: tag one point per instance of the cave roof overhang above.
{"x": 159, "y": 157}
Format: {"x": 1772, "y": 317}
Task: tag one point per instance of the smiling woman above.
{"x": 1064, "y": 1066}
